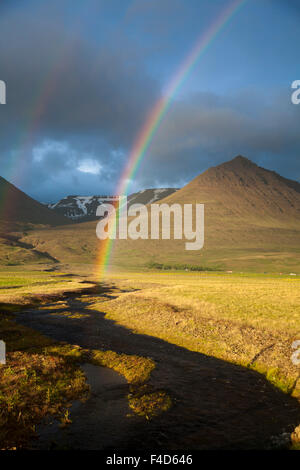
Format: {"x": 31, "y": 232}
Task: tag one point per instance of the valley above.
{"x": 167, "y": 335}
{"x": 165, "y": 320}
{"x": 149, "y": 230}
{"x": 251, "y": 221}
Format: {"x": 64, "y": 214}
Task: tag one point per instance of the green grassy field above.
{"x": 246, "y": 319}
{"x": 24, "y": 287}
{"x": 253, "y": 249}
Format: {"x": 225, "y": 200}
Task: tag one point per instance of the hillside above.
{"x": 19, "y": 213}
{"x": 251, "y": 223}
{"x": 18, "y": 208}
{"x": 149, "y": 196}
{"x": 242, "y": 191}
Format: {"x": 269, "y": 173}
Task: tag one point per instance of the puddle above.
{"x": 102, "y": 378}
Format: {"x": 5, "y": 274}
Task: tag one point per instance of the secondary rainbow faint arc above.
{"x": 35, "y": 113}
{"x": 158, "y": 112}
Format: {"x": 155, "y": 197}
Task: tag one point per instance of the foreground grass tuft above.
{"x": 34, "y": 385}
{"x": 148, "y": 403}
{"x": 135, "y": 369}
{"x": 142, "y": 399}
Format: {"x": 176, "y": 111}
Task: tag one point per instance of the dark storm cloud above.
{"x": 62, "y": 86}
{"x": 208, "y": 129}
{"x": 79, "y": 88}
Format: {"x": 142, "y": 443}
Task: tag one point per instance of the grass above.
{"x": 245, "y": 247}
{"x": 142, "y": 399}
{"x": 42, "y": 377}
{"x": 25, "y": 287}
{"x": 135, "y": 369}
{"x": 147, "y": 403}
{"x": 177, "y": 267}
{"x": 270, "y": 302}
{"x": 37, "y": 380}
{"x": 245, "y": 319}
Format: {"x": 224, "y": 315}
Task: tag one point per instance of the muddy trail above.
{"x": 216, "y": 404}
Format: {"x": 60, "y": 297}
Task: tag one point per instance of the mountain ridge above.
{"x": 246, "y": 190}
{"x": 251, "y": 223}
{"x": 19, "y": 208}
{"x": 83, "y": 208}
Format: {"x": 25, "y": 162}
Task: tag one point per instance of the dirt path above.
{"x": 216, "y": 404}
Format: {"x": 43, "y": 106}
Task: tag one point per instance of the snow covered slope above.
{"x": 80, "y": 207}
{"x": 83, "y": 208}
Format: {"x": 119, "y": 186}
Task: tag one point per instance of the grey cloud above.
{"x": 59, "y": 84}
{"x": 208, "y": 129}
{"x": 63, "y": 87}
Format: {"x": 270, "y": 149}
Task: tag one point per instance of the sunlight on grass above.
{"x": 245, "y": 319}
{"x": 250, "y": 320}
{"x": 36, "y": 381}
{"x": 25, "y": 287}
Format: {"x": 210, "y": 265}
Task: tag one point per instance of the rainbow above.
{"x": 17, "y": 170}
{"x": 18, "y": 164}
{"x": 157, "y": 114}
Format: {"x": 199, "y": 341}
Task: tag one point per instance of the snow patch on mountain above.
{"x": 82, "y": 208}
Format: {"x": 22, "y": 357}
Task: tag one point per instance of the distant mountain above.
{"x": 20, "y": 213}
{"x": 241, "y": 191}
{"x": 252, "y": 223}
{"x": 80, "y": 208}
{"x": 16, "y": 208}
{"x": 83, "y": 208}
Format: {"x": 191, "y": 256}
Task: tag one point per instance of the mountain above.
{"x": 19, "y": 212}
{"x": 149, "y": 196}
{"x": 80, "y": 208}
{"x": 241, "y": 190}
{"x": 83, "y": 208}
{"x": 251, "y": 223}
{"x": 18, "y": 209}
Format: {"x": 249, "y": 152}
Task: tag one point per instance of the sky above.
{"x": 81, "y": 78}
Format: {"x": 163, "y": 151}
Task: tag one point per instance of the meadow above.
{"x": 249, "y": 320}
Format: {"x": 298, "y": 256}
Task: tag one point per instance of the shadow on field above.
{"x": 216, "y": 405}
